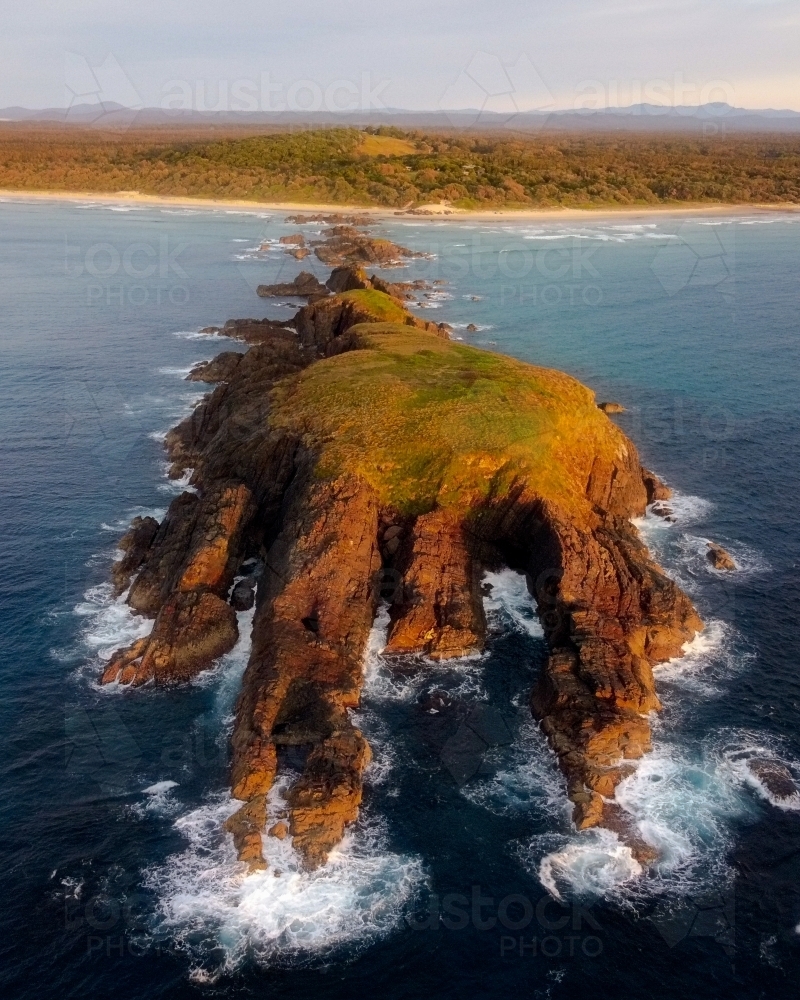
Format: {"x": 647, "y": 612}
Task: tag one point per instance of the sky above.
{"x": 416, "y": 54}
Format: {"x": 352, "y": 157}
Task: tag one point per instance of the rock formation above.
{"x": 345, "y": 245}
{"x": 219, "y": 369}
{"x": 304, "y": 286}
{"x": 719, "y": 558}
{"x": 366, "y": 443}
{"x": 336, "y": 219}
{"x": 776, "y": 778}
{"x": 348, "y": 278}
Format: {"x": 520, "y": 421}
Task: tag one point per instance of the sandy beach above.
{"x": 434, "y": 212}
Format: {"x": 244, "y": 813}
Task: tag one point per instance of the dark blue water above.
{"x": 463, "y": 877}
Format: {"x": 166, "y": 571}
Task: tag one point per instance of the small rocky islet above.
{"x": 356, "y": 444}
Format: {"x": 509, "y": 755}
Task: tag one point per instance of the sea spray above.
{"x": 284, "y": 916}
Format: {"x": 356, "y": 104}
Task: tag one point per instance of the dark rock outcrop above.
{"x": 656, "y": 490}
{"x": 348, "y": 246}
{"x": 441, "y": 614}
{"x": 195, "y": 548}
{"x": 219, "y": 369}
{"x": 135, "y": 545}
{"x": 611, "y": 407}
{"x": 304, "y": 286}
{"x": 243, "y": 595}
{"x": 335, "y": 219}
{"x": 775, "y": 777}
{"x": 609, "y": 615}
{"x": 348, "y": 278}
{"x": 320, "y": 324}
{"x": 257, "y": 331}
{"x": 191, "y": 631}
{"x": 719, "y": 558}
{"x": 184, "y": 576}
{"x": 301, "y": 679}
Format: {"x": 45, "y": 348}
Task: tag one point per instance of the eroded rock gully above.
{"x": 327, "y": 538}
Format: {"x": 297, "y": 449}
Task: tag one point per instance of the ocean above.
{"x": 463, "y": 876}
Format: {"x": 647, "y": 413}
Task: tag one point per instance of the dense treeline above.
{"x": 387, "y": 167}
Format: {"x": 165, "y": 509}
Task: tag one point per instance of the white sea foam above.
{"x": 123, "y": 523}
{"x": 597, "y": 865}
{"x": 73, "y": 887}
{"x": 160, "y": 787}
{"x": 197, "y": 335}
{"x": 220, "y": 915}
{"x": 109, "y": 623}
{"x": 180, "y": 485}
{"x": 509, "y": 604}
{"x": 601, "y": 234}
{"x": 735, "y": 749}
{"x": 711, "y": 658}
{"x": 685, "y": 510}
{"x": 685, "y": 555}
{"x": 158, "y": 801}
{"x": 184, "y": 371}
{"x": 285, "y": 915}
{"x": 479, "y": 328}
{"x": 693, "y": 553}
{"x": 404, "y": 678}
{"x": 227, "y": 674}
{"x": 681, "y": 800}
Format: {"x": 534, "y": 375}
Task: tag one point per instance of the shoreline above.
{"x": 425, "y": 213}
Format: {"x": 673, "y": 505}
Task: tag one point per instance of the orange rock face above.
{"x": 609, "y": 614}
{"x": 209, "y": 565}
{"x": 305, "y": 668}
{"x": 191, "y": 631}
{"x": 189, "y": 563}
{"x": 326, "y": 798}
{"x": 441, "y": 614}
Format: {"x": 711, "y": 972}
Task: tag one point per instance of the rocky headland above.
{"x": 357, "y": 444}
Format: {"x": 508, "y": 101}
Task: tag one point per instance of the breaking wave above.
{"x": 284, "y": 916}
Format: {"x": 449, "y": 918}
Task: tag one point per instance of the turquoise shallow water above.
{"x": 464, "y": 876}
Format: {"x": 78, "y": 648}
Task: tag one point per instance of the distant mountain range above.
{"x": 709, "y": 119}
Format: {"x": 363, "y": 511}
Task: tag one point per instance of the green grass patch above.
{"x": 429, "y": 422}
